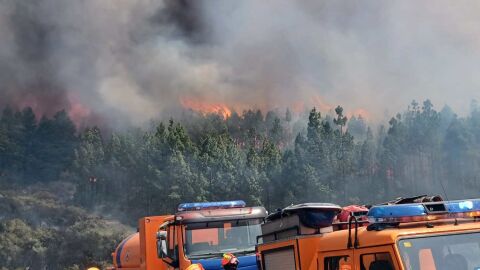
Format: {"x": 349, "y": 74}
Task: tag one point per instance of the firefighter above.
{"x": 229, "y": 261}
{"x": 195, "y": 266}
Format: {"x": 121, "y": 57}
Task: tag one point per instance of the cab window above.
{"x": 376, "y": 261}
{"x": 441, "y": 252}
{"x": 337, "y": 263}
{"x": 211, "y": 239}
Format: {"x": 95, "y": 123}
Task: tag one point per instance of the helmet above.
{"x": 195, "y": 266}
{"x": 359, "y": 211}
{"x": 229, "y": 261}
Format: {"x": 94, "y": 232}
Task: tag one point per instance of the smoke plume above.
{"x": 126, "y": 62}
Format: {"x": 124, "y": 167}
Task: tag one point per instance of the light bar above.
{"x": 403, "y": 213}
{"x": 210, "y": 205}
{"x": 467, "y": 208}
{"x": 463, "y": 206}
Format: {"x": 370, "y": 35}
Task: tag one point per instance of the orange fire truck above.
{"x": 440, "y": 235}
{"x": 197, "y": 233}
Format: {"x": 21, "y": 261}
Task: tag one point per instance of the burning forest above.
{"x": 114, "y": 110}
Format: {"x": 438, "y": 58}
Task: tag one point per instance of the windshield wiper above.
{"x": 245, "y": 251}
{"x": 205, "y": 255}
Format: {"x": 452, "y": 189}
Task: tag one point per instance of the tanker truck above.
{"x": 197, "y": 233}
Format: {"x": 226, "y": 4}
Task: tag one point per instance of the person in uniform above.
{"x": 229, "y": 261}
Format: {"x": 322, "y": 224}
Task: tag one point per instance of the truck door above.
{"x": 336, "y": 260}
{"x": 376, "y": 258}
{"x": 169, "y": 246}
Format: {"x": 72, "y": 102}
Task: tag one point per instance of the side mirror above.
{"x": 162, "y": 244}
{"x": 162, "y": 250}
{"x": 162, "y": 235}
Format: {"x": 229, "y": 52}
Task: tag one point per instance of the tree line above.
{"x": 273, "y": 160}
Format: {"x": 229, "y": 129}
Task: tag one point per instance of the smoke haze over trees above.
{"x": 125, "y": 62}
{"x": 251, "y": 156}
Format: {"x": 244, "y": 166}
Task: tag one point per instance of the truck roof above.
{"x": 209, "y": 215}
{"x": 338, "y": 240}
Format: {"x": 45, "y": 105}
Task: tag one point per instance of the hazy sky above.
{"x": 129, "y": 61}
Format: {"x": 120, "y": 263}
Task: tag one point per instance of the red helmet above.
{"x": 358, "y": 211}
{"x": 229, "y": 259}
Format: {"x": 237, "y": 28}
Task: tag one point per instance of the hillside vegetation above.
{"x": 39, "y": 231}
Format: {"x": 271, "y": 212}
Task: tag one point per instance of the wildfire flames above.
{"x": 298, "y": 107}
{"x": 319, "y": 103}
{"x": 79, "y": 113}
{"x": 206, "y": 108}
{"x": 82, "y": 115}
{"x": 363, "y": 112}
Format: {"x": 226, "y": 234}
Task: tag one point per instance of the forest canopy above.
{"x": 264, "y": 159}
{"x": 272, "y": 159}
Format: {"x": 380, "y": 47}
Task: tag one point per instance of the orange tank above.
{"x": 127, "y": 254}
{"x": 139, "y": 251}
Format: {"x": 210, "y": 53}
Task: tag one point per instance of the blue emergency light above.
{"x": 424, "y": 211}
{"x": 210, "y": 205}
{"x": 463, "y": 206}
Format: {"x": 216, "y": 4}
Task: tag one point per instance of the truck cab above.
{"x": 419, "y": 236}
{"x": 203, "y": 232}
{"x": 197, "y": 233}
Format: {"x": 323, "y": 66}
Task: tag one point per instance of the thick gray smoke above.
{"x": 129, "y": 61}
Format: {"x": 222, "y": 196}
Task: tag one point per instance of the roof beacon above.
{"x": 210, "y": 205}
{"x": 416, "y": 212}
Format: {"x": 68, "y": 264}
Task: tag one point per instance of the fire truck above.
{"x": 197, "y": 233}
{"x": 437, "y": 235}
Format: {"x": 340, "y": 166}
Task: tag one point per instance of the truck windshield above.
{"x": 212, "y": 239}
{"x": 442, "y": 252}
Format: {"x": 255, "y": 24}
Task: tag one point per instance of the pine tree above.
{"x": 29, "y": 127}
{"x": 277, "y": 133}
{"x": 12, "y": 158}
{"x": 220, "y": 163}
{"x": 53, "y": 147}
{"x": 288, "y": 116}
{"x": 88, "y": 166}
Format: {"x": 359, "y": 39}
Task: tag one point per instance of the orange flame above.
{"x": 206, "y": 108}
{"x": 361, "y": 112}
{"x": 79, "y": 113}
{"x": 297, "y": 106}
{"x": 321, "y": 105}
